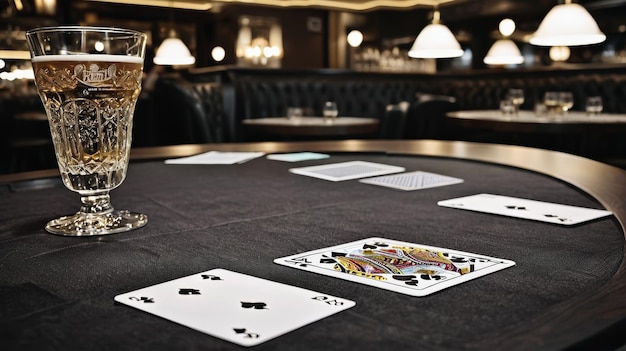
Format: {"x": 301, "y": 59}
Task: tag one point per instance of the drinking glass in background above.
{"x": 551, "y": 101}
{"x": 517, "y": 98}
{"x": 330, "y": 111}
{"x": 594, "y": 105}
{"x": 294, "y": 113}
{"x": 507, "y": 107}
{"x": 566, "y": 101}
{"x": 88, "y": 79}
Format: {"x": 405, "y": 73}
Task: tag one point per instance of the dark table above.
{"x": 566, "y": 291}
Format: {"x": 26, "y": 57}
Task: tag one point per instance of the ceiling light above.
{"x": 435, "y": 41}
{"x": 559, "y": 53}
{"x": 504, "y": 51}
{"x": 173, "y": 52}
{"x": 567, "y": 24}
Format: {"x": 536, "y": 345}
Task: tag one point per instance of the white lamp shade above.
{"x": 173, "y": 52}
{"x": 504, "y": 52}
{"x": 435, "y": 41}
{"x": 567, "y": 25}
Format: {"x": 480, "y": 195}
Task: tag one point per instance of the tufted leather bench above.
{"x": 255, "y": 93}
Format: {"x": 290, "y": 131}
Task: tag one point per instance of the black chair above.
{"x": 179, "y": 116}
{"x": 426, "y": 117}
{"x": 393, "y": 123}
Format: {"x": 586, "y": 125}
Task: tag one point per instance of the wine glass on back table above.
{"x": 517, "y": 98}
{"x": 89, "y": 79}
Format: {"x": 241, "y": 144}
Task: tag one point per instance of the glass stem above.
{"x": 96, "y": 203}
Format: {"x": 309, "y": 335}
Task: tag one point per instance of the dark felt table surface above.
{"x": 56, "y": 293}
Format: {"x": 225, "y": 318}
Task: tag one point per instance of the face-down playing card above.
{"x": 407, "y": 268}
{"x": 412, "y": 180}
{"x": 336, "y": 172}
{"x": 524, "y": 208}
{"x": 239, "y": 308}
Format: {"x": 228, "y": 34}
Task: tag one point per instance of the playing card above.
{"x": 216, "y": 158}
{"x": 524, "y": 208}
{"x": 347, "y": 170}
{"x": 242, "y": 309}
{"x": 297, "y": 156}
{"x": 412, "y": 180}
{"x": 407, "y": 268}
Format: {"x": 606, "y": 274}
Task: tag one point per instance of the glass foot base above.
{"x": 90, "y": 224}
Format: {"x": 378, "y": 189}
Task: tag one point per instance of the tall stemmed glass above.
{"x": 89, "y": 79}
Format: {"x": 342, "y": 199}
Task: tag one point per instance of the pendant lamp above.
{"x": 435, "y": 41}
{"x": 504, "y": 51}
{"x": 567, "y": 24}
{"x": 173, "y": 52}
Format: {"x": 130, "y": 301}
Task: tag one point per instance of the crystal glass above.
{"x": 517, "y": 98}
{"x": 88, "y": 79}
{"x": 594, "y": 105}
{"x": 566, "y": 101}
{"x": 551, "y": 101}
{"x": 330, "y": 111}
{"x": 507, "y": 107}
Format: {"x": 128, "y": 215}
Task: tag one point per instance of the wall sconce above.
{"x": 218, "y": 53}
{"x": 504, "y": 51}
{"x": 567, "y": 24}
{"x": 435, "y": 41}
{"x": 355, "y": 38}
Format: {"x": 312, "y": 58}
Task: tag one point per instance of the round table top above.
{"x": 313, "y": 126}
{"x": 233, "y": 214}
{"x": 529, "y": 121}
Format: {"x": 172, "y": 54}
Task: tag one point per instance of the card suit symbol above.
{"x": 255, "y": 305}
{"x": 457, "y": 259}
{"x": 183, "y": 291}
{"x": 408, "y": 279}
{"x": 431, "y": 277}
{"x": 369, "y": 246}
{"x": 247, "y": 335}
{"x": 302, "y": 262}
{"x": 403, "y": 277}
{"x": 550, "y": 215}
{"x": 142, "y": 299}
{"x": 326, "y": 300}
{"x": 338, "y": 254}
{"x": 378, "y": 243}
{"x": 212, "y": 277}
{"x": 326, "y": 259}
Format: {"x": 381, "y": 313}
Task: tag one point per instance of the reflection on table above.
{"x": 313, "y": 126}
{"x": 567, "y": 287}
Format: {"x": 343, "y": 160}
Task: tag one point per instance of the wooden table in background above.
{"x": 341, "y": 127}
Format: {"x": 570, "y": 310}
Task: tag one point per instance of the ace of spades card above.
{"x": 407, "y": 268}
{"x": 239, "y": 308}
